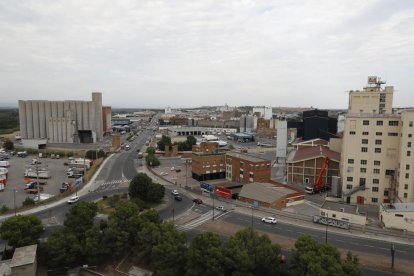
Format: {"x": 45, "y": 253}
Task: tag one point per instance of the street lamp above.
{"x": 14, "y": 200}
{"x": 326, "y": 229}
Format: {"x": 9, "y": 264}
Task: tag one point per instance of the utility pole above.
{"x": 14, "y": 200}
{"x": 213, "y": 202}
{"x": 392, "y": 255}
{"x": 37, "y": 178}
{"x": 326, "y": 229}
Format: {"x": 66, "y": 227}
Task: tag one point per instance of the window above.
{"x": 410, "y": 124}
{"x": 365, "y": 122}
{"x": 399, "y": 215}
{"x": 408, "y": 153}
{"x": 365, "y": 133}
{"x": 374, "y": 200}
{"x": 378, "y": 142}
{"x": 405, "y": 195}
{"x": 375, "y": 181}
{"x": 410, "y": 135}
{"x": 350, "y": 169}
{"x": 350, "y": 179}
{"x": 378, "y": 133}
{"x": 375, "y": 189}
{"x": 350, "y": 161}
{"x": 393, "y": 123}
{"x": 364, "y": 141}
{"x": 352, "y": 133}
{"x": 363, "y": 170}
{"x": 362, "y": 181}
{"x": 241, "y": 164}
{"x": 405, "y": 186}
{"x": 364, "y": 149}
{"x": 407, "y": 167}
{"x": 385, "y": 193}
{"x": 378, "y": 150}
{"x": 349, "y": 187}
{"x": 376, "y": 171}
{"x": 363, "y": 162}
{"x": 409, "y": 145}
{"x": 392, "y": 134}
{"x": 379, "y": 123}
{"x": 377, "y": 163}
{"x": 389, "y": 172}
{"x": 407, "y": 175}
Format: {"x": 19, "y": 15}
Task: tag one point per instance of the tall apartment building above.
{"x": 377, "y": 163}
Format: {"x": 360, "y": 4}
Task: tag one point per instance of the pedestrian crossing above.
{"x": 200, "y": 220}
{"x": 112, "y": 185}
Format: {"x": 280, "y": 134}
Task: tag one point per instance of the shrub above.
{"x": 28, "y": 201}
{"x": 4, "y": 209}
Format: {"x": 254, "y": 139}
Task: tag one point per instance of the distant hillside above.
{"x": 9, "y": 120}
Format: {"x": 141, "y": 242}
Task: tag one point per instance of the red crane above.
{"x": 318, "y": 186}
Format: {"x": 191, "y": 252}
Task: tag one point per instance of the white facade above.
{"x": 61, "y": 121}
{"x": 281, "y": 139}
{"x": 265, "y": 111}
{"x": 377, "y": 159}
{"x": 398, "y": 216}
{"x": 168, "y": 110}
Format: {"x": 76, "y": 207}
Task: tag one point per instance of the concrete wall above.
{"x": 348, "y": 217}
{"x": 397, "y": 220}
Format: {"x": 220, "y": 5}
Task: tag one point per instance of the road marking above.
{"x": 339, "y": 240}
{"x": 367, "y": 245}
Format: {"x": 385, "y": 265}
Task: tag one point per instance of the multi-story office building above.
{"x": 377, "y": 160}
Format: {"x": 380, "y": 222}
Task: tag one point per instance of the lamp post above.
{"x": 326, "y": 229}
{"x": 213, "y": 202}
{"x": 392, "y": 255}
{"x": 14, "y": 200}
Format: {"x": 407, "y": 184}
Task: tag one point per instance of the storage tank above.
{"x": 336, "y": 187}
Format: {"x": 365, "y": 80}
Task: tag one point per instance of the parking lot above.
{"x": 16, "y": 182}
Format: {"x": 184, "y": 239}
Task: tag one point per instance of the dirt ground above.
{"x": 367, "y": 260}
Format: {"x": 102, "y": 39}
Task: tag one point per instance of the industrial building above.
{"x": 244, "y": 168}
{"x": 377, "y": 161}
{"x": 398, "y": 216}
{"x": 208, "y": 162}
{"x": 63, "y": 121}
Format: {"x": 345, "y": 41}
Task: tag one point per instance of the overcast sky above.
{"x": 189, "y": 53}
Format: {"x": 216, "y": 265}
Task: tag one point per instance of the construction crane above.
{"x": 318, "y": 185}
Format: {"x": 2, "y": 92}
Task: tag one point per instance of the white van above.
{"x": 4, "y": 164}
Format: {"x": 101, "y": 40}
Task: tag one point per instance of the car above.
{"x": 73, "y": 199}
{"x": 221, "y": 208}
{"x": 172, "y": 168}
{"x": 175, "y": 192}
{"x": 178, "y": 197}
{"x": 198, "y": 201}
{"x": 269, "y": 220}
{"x": 177, "y": 170}
{"x": 163, "y": 173}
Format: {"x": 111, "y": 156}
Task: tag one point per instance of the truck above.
{"x": 22, "y": 154}
{"x": 32, "y": 173}
{"x": 74, "y": 173}
{"x": 65, "y": 186}
{"x": 33, "y": 188}
{"x": 140, "y": 155}
{"x": 318, "y": 186}
{"x": 4, "y": 164}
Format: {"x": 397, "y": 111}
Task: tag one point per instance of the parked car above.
{"x": 73, "y": 199}
{"x": 175, "y": 192}
{"x": 172, "y": 168}
{"x": 163, "y": 173}
{"x": 269, "y": 220}
{"x": 178, "y": 197}
{"x": 221, "y": 208}
{"x": 197, "y": 201}
{"x": 177, "y": 170}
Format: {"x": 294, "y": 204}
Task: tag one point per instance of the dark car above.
{"x": 198, "y": 201}
{"x": 178, "y": 198}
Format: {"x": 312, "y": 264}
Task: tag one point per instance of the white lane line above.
{"x": 339, "y": 240}
{"x": 367, "y": 245}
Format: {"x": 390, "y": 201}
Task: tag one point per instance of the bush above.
{"x": 8, "y": 145}
{"x": 152, "y": 160}
{"x": 4, "y": 209}
{"x": 28, "y": 201}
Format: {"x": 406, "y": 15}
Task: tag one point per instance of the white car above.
{"x": 175, "y": 192}
{"x": 73, "y": 199}
{"x": 172, "y": 168}
{"x": 221, "y": 208}
{"x": 269, "y": 220}
{"x": 163, "y": 173}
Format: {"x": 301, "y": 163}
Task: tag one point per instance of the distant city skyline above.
{"x": 155, "y": 54}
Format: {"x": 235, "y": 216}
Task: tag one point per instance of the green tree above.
{"x": 155, "y": 192}
{"x": 351, "y": 265}
{"x": 80, "y": 218}
{"x": 150, "y": 150}
{"x": 8, "y": 145}
{"x": 139, "y": 186}
{"x": 28, "y": 202}
{"x": 21, "y": 230}
{"x": 205, "y": 255}
{"x": 93, "y": 250}
{"x": 152, "y": 160}
{"x": 165, "y": 141}
{"x": 247, "y": 253}
{"x": 4, "y": 209}
{"x": 313, "y": 258}
{"x": 168, "y": 257}
{"x": 95, "y": 154}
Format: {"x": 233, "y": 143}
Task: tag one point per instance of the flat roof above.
{"x": 24, "y": 255}
{"x": 398, "y": 207}
{"x": 370, "y": 115}
{"x": 264, "y": 192}
{"x": 337, "y": 206}
{"x": 247, "y": 157}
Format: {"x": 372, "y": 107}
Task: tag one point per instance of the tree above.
{"x": 152, "y": 160}
{"x": 150, "y": 150}
{"x": 247, "y": 253}
{"x": 168, "y": 257}
{"x": 205, "y": 255}
{"x": 139, "y": 185}
{"x": 155, "y": 192}
{"x": 80, "y": 218}
{"x": 28, "y": 201}
{"x": 313, "y": 258}
{"x": 21, "y": 230}
{"x": 165, "y": 141}
{"x": 8, "y": 145}
{"x": 95, "y": 154}
{"x": 93, "y": 246}
{"x": 351, "y": 265}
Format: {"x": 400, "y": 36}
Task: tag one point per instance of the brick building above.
{"x": 245, "y": 168}
{"x": 208, "y": 162}
{"x": 305, "y": 163}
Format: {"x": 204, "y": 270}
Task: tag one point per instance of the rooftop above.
{"x": 313, "y": 152}
{"x": 372, "y": 115}
{"x": 341, "y": 207}
{"x": 399, "y": 207}
{"x": 246, "y": 157}
{"x": 264, "y": 192}
{"x": 24, "y": 255}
